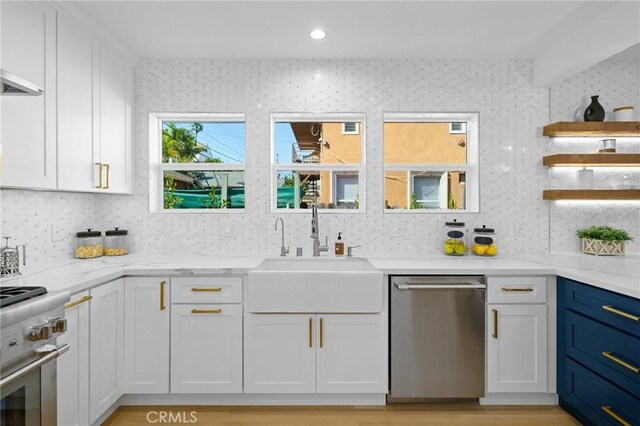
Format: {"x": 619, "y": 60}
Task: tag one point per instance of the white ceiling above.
{"x": 355, "y": 29}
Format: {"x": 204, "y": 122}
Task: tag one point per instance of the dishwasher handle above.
{"x": 405, "y": 287}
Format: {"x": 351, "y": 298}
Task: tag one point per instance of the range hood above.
{"x": 11, "y": 84}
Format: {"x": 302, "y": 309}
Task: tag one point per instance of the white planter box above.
{"x": 602, "y": 248}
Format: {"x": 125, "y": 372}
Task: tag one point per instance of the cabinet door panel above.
{"x": 115, "y": 121}
{"x": 279, "y": 353}
{"x": 73, "y": 366}
{"x": 206, "y": 349}
{"x": 352, "y": 353}
{"x": 517, "y": 358}
{"x": 106, "y": 347}
{"x": 27, "y": 123}
{"x": 147, "y": 335}
{"x": 78, "y": 148}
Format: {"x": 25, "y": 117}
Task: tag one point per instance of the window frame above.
{"x": 471, "y": 167}
{"x": 325, "y": 117}
{"x": 157, "y": 167}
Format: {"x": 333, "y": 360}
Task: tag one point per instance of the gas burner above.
{"x": 12, "y": 295}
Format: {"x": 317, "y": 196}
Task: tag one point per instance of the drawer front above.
{"x": 516, "y": 290}
{"x": 610, "y": 308}
{"x": 206, "y": 290}
{"x": 607, "y": 351}
{"x": 597, "y": 399}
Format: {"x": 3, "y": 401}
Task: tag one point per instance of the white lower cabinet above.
{"x": 307, "y": 353}
{"x": 517, "y": 348}
{"x": 147, "y": 315}
{"x": 206, "y": 348}
{"x": 106, "y": 347}
{"x": 73, "y": 366}
{"x": 352, "y": 354}
{"x": 279, "y": 353}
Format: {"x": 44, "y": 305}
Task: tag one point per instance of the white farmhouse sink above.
{"x": 323, "y": 285}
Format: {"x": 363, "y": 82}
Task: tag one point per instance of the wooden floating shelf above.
{"x": 591, "y": 194}
{"x": 592, "y": 160}
{"x": 592, "y": 129}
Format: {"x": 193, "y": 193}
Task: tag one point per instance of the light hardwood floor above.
{"x": 463, "y": 414}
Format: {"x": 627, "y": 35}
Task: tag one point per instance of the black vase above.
{"x": 595, "y": 111}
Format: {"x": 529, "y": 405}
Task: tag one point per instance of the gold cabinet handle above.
{"x": 522, "y": 289}
{"x": 321, "y": 333}
{"x": 77, "y": 302}
{"x": 310, "y": 332}
{"x": 108, "y": 173}
{"x": 213, "y": 289}
{"x": 617, "y": 360}
{"x": 613, "y": 414}
{"x": 162, "y": 306}
{"x": 621, "y": 313}
{"x": 99, "y": 175}
{"x": 206, "y": 311}
{"x": 495, "y": 324}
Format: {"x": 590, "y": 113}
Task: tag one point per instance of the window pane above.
{"x": 346, "y": 191}
{"x": 203, "y": 142}
{"x": 204, "y": 189}
{"x": 425, "y": 190}
{"x": 317, "y": 143}
{"x": 418, "y": 143}
{"x": 296, "y": 189}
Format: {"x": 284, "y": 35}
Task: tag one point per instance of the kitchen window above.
{"x": 431, "y": 162}
{"x": 317, "y": 155}
{"x": 197, "y": 162}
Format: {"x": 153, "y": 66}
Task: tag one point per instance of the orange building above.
{"x": 405, "y": 145}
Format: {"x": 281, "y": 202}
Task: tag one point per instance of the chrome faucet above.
{"x": 283, "y": 250}
{"x": 315, "y": 231}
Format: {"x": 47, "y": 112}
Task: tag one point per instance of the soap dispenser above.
{"x": 339, "y": 245}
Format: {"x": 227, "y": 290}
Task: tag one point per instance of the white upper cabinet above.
{"x": 27, "y": 123}
{"x": 78, "y": 124}
{"x": 94, "y": 113}
{"x": 115, "y": 122}
{"x": 77, "y": 136}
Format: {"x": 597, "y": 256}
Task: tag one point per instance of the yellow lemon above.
{"x": 448, "y": 248}
{"x": 460, "y": 248}
{"x": 480, "y": 249}
{"x": 491, "y": 250}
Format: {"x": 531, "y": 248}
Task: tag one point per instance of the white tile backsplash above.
{"x": 512, "y": 113}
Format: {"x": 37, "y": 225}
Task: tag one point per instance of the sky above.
{"x": 227, "y": 140}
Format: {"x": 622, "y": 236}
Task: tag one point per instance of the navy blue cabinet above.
{"x": 598, "y": 354}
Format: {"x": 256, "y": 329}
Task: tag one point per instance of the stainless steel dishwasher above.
{"x": 437, "y": 337}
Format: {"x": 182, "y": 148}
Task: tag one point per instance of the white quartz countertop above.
{"x": 618, "y": 274}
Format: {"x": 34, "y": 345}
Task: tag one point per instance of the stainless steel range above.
{"x": 31, "y": 320}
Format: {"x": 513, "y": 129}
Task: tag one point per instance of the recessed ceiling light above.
{"x": 317, "y": 34}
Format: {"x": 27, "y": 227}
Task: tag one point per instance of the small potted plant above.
{"x": 603, "y": 240}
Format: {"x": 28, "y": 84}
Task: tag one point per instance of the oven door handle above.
{"x": 9, "y": 378}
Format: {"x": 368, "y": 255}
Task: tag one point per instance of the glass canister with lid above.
{"x": 116, "y": 242}
{"x": 88, "y": 244}
{"x": 455, "y": 238}
{"x": 485, "y": 241}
